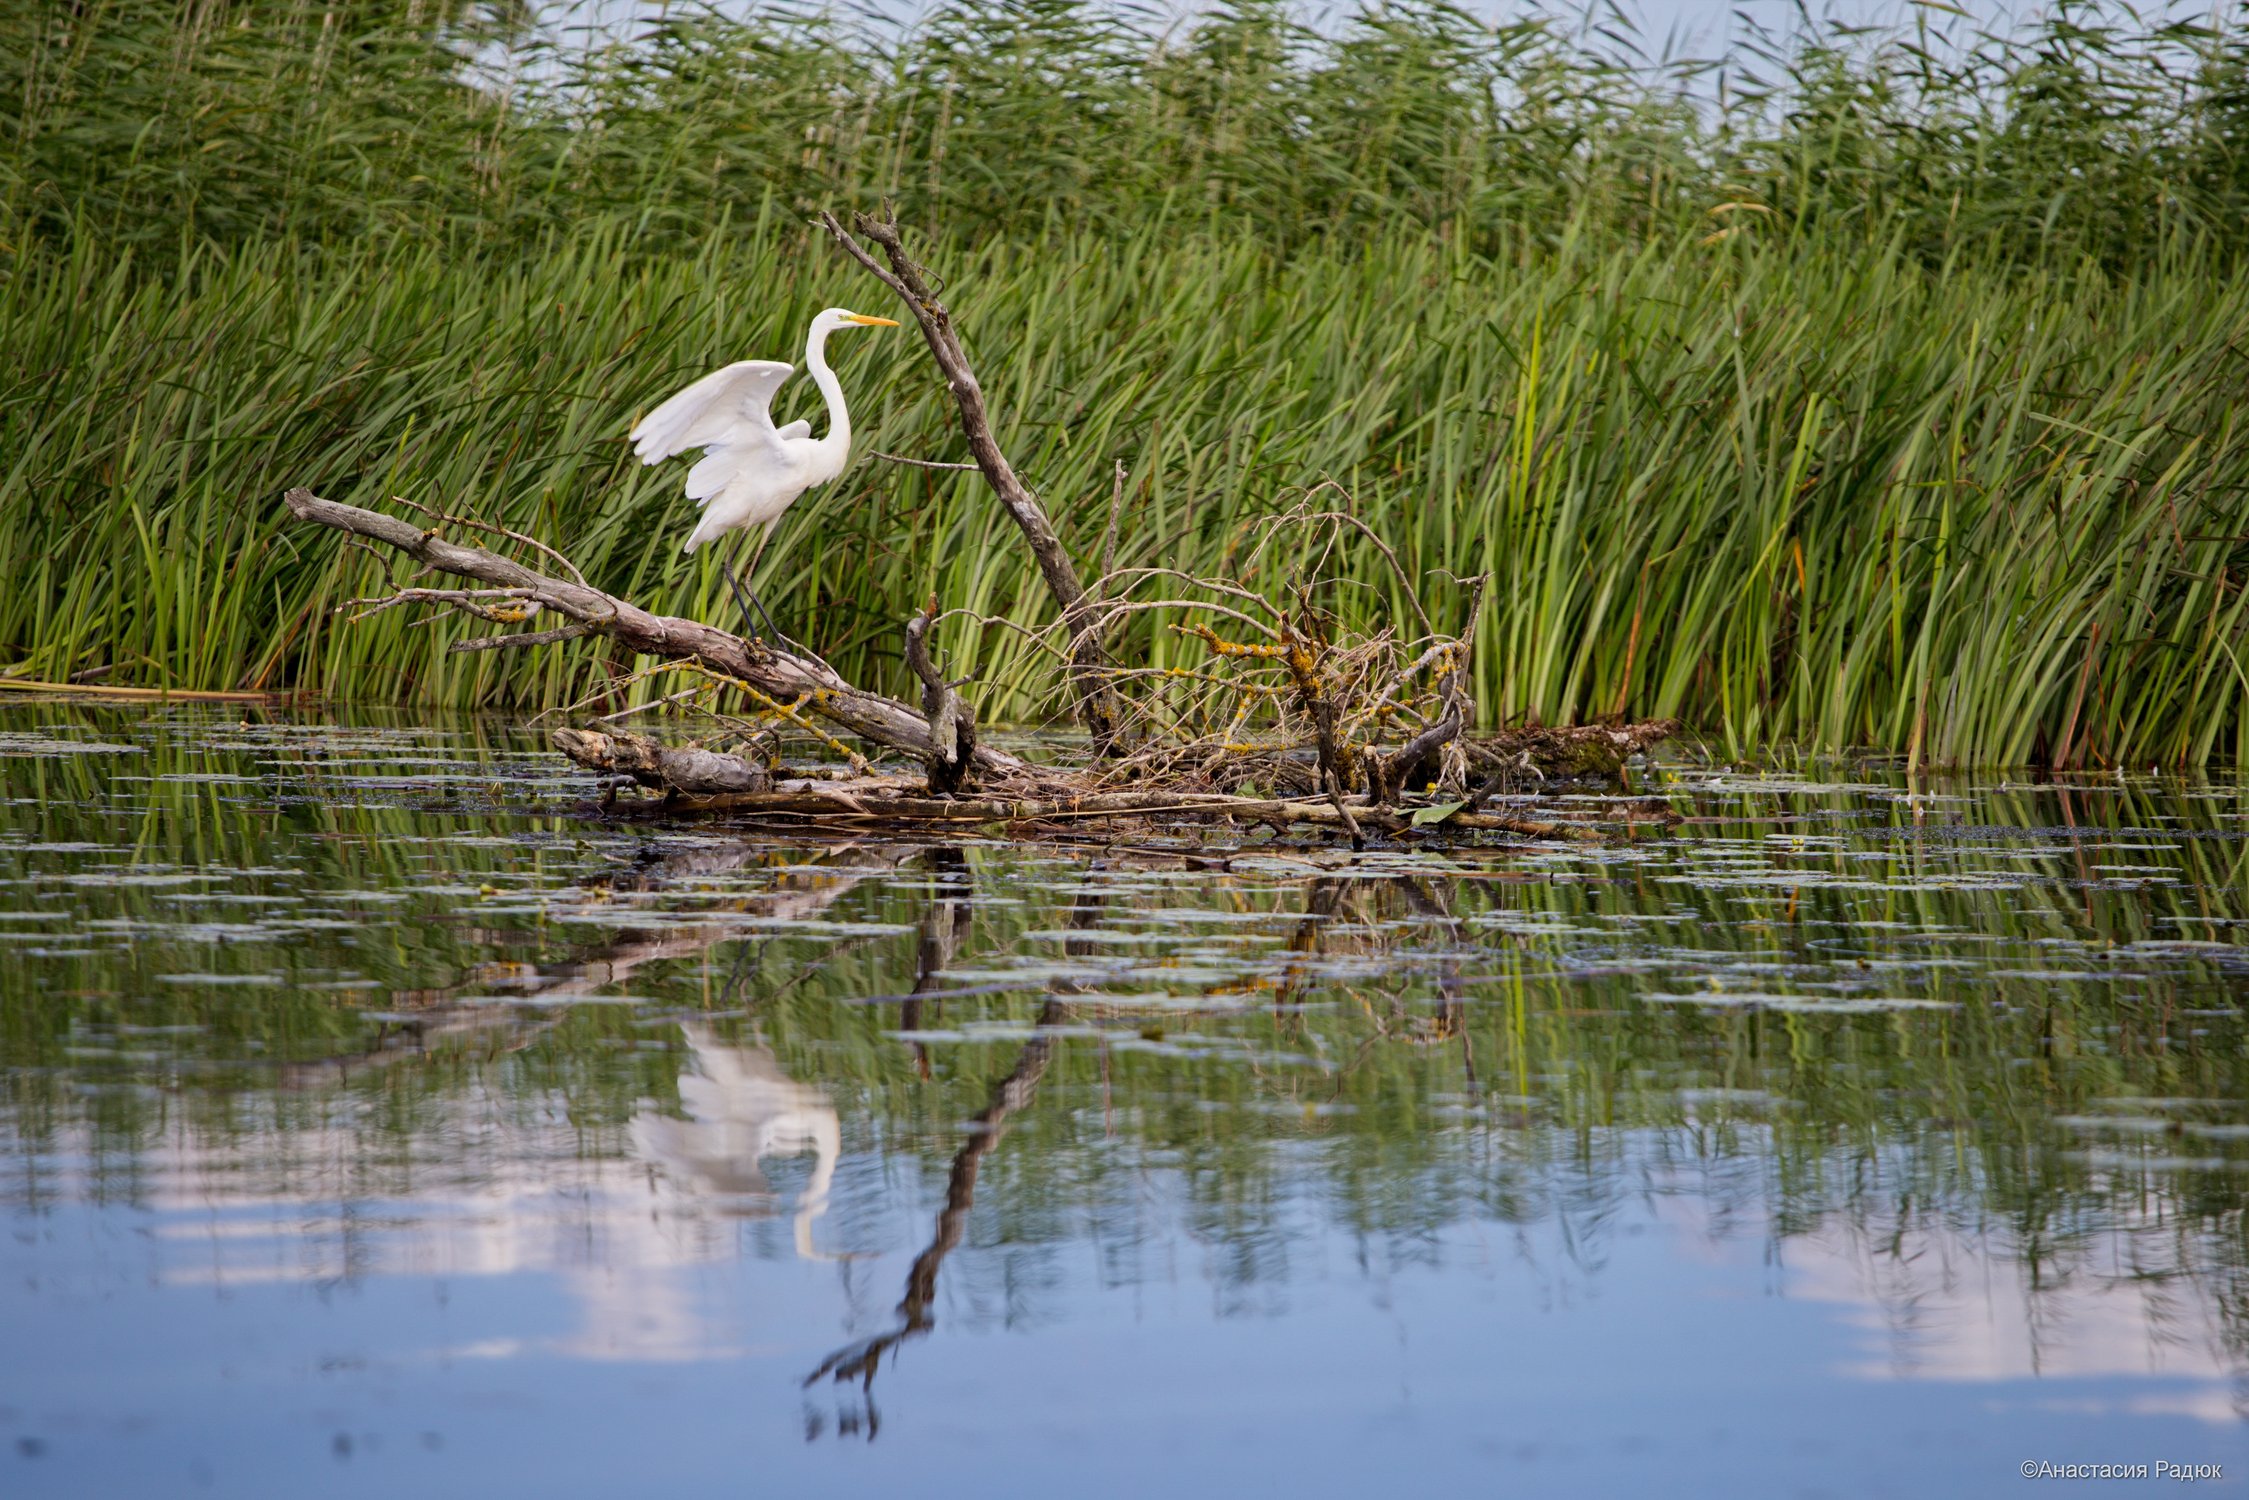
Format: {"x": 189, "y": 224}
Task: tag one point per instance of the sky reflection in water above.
{"x": 373, "y": 1124}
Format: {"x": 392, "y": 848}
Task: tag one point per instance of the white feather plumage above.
{"x": 752, "y": 471}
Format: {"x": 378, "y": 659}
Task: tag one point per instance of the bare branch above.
{"x": 1097, "y": 707}
{"x": 468, "y": 601}
{"x": 514, "y": 536}
{"x": 534, "y": 638}
{"x": 1215, "y": 585}
{"x": 776, "y": 674}
{"x": 920, "y": 463}
{"x": 1037, "y": 637}
{"x": 1113, "y": 608}
{"x": 642, "y": 708}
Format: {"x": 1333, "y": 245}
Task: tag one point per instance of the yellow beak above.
{"x": 870, "y": 322}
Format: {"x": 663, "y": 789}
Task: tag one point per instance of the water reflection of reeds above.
{"x": 1910, "y": 1048}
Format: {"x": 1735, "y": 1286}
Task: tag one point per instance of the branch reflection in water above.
{"x": 1947, "y": 1083}
{"x": 1017, "y": 1091}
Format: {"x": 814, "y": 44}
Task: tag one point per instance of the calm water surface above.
{"x": 375, "y": 1121}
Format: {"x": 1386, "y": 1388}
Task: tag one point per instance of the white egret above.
{"x": 752, "y": 471}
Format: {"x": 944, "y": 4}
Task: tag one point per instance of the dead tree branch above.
{"x": 532, "y": 542}
{"x": 921, "y": 463}
{"x": 1097, "y": 706}
{"x": 684, "y": 769}
{"x": 530, "y": 638}
{"x": 1389, "y": 775}
{"x": 780, "y": 675}
{"x": 952, "y": 722}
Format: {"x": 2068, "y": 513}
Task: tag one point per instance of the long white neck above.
{"x": 838, "y": 440}
{"x": 827, "y": 1145}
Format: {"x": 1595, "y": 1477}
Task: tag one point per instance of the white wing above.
{"x": 799, "y": 428}
{"x": 728, "y": 412}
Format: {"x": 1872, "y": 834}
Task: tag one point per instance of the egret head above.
{"x": 844, "y": 317}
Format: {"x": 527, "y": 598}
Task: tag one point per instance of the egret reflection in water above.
{"x": 341, "y": 1105}
{"x": 738, "y": 1110}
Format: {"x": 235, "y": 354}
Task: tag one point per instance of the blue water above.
{"x": 378, "y": 1119}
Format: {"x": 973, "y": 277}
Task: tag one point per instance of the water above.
{"x": 376, "y": 1122}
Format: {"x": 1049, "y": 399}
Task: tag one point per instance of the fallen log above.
{"x": 782, "y": 677}
{"x": 700, "y": 780}
{"x": 894, "y": 800}
{"x": 1571, "y": 752}
{"x": 690, "y": 769}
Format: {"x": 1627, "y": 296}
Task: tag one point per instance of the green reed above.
{"x": 1834, "y": 498}
{"x": 1892, "y": 403}
{"x": 158, "y": 123}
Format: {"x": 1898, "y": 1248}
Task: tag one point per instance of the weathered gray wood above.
{"x": 780, "y": 675}
{"x": 885, "y": 803}
{"x": 1097, "y": 706}
{"x": 952, "y": 722}
{"x": 681, "y": 768}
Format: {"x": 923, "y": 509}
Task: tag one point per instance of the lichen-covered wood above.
{"x": 690, "y": 769}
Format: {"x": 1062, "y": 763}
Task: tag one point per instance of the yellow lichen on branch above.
{"x": 1223, "y": 647}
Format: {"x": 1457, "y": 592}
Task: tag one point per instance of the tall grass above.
{"x": 1783, "y": 496}
{"x": 154, "y": 123}
{"x": 1897, "y": 405}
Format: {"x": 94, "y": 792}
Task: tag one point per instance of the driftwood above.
{"x": 1292, "y": 718}
{"x": 952, "y": 722}
{"x": 806, "y": 685}
{"x": 709, "y": 781}
{"x": 1569, "y": 753}
{"x": 897, "y": 801}
{"x": 691, "y": 770}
